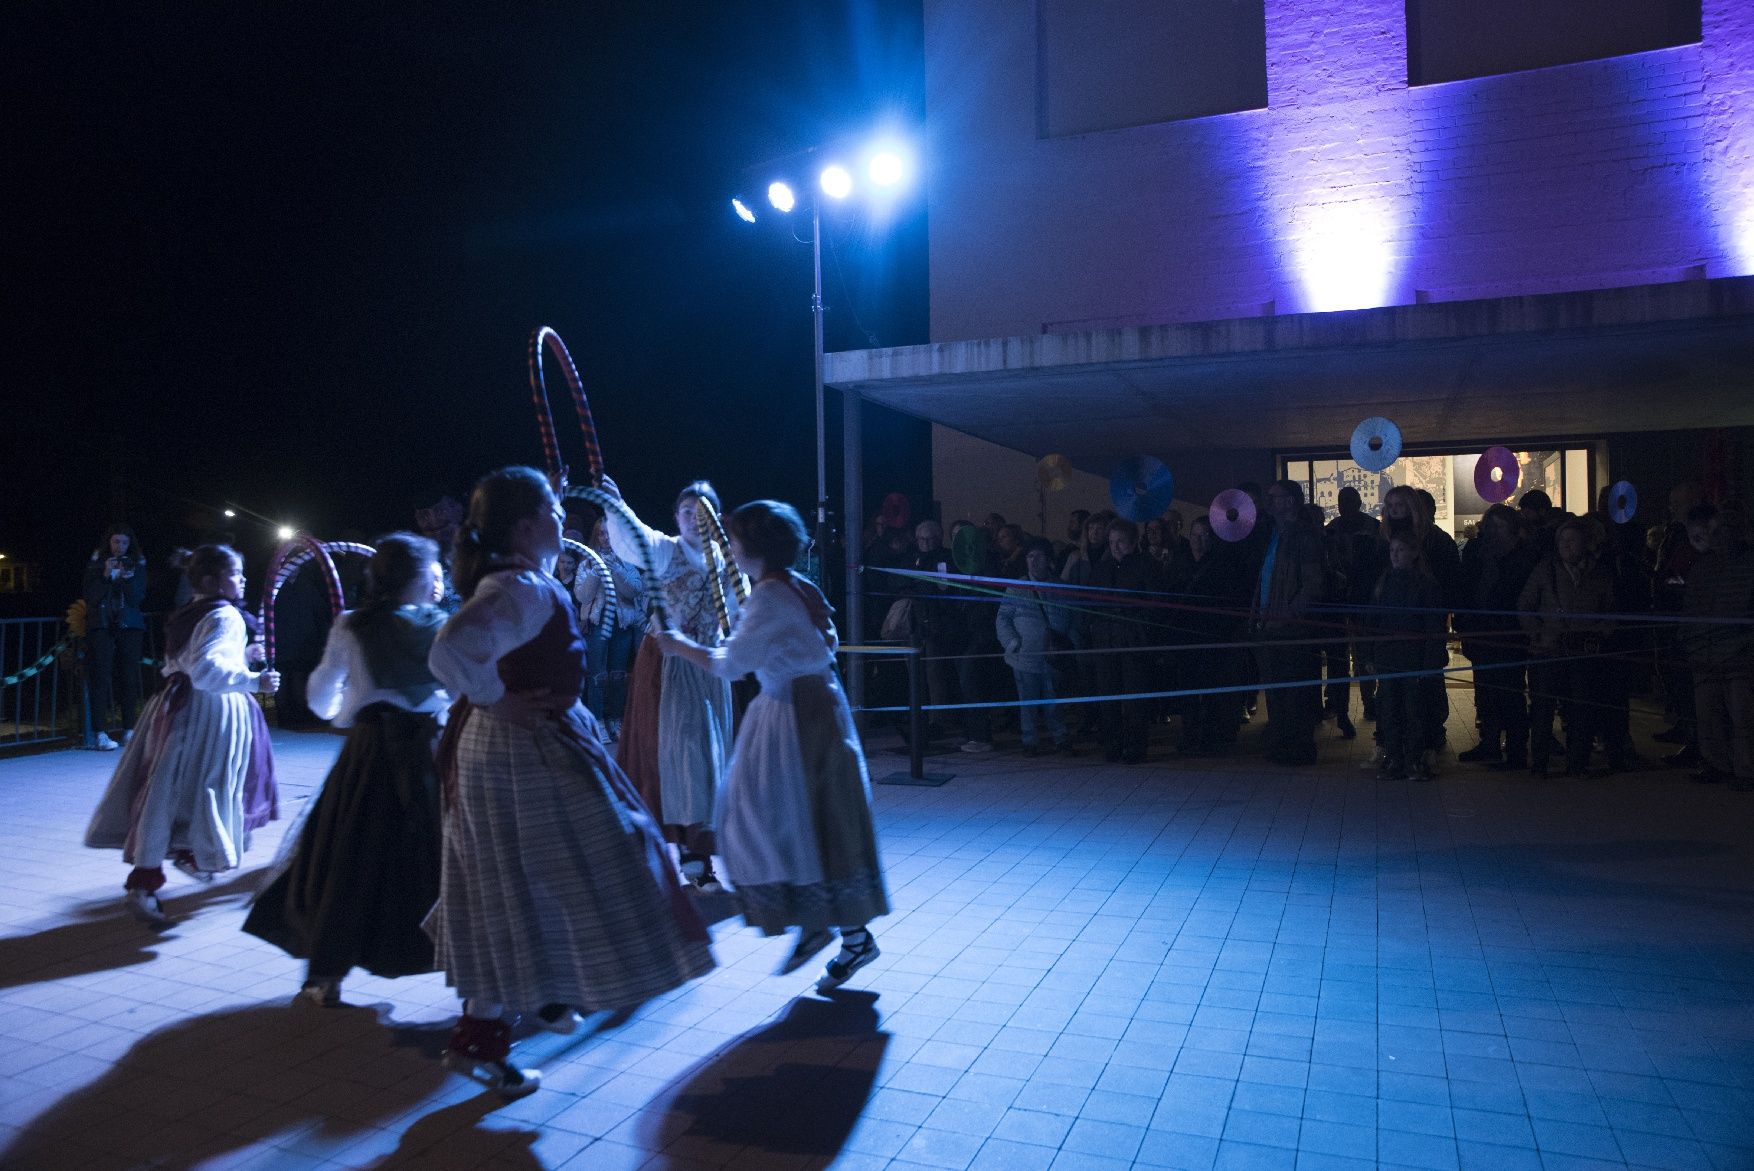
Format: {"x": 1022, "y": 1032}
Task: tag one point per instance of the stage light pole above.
{"x": 886, "y": 167}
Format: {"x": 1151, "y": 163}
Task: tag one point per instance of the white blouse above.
{"x": 214, "y": 657}
{"x": 342, "y": 684}
{"x": 775, "y": 639}
{"x": 507, "y": 611}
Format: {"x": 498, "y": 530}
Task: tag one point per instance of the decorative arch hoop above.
{"x": 544, "y": 337}
{"x": 292, "y": 556}
{"x": 717, "y": 545}
{"x": 586, "y": 553}
{"x": 648, "y": 563}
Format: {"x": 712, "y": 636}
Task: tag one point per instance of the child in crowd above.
{"x": 364, "y": 870}
{"x": 200, "y": 775}
{"x": 1027, "y": 624}
{"x": 557, "y": 891}
{"x": 795, "y": 816}
{"x": 1409, "y": 623}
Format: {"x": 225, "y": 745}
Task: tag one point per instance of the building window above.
{"x": 1448, "y": 40}
{"x": 1109, "y": 64}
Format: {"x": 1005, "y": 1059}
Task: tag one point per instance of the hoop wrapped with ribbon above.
{"x": 648, "y": 563}
{"x": 715, "y": 542}
{"x": 543, "y": 338}
{"x": 601, "y": 568}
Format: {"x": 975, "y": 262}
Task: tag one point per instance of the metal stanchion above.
{"x": 916, "y": 718}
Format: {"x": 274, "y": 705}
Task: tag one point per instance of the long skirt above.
{"x": 796, "y": 831}
{"x": 198, "y": 776}
{"x": 364, "y": 870}
{"x": 676, "y": 737}
{"x": 555, "y": 886}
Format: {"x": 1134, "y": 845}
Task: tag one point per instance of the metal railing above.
{"x": 37, "y": 706}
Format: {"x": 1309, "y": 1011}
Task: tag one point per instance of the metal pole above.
{"x": 852, "y": 526}
{"x": 916, "y": 719}
{"x": 821, "y": 426}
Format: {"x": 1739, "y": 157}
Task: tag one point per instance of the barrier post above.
{"x": 916, "y": 728}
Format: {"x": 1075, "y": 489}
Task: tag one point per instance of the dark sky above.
{"x": 289, "y": 259}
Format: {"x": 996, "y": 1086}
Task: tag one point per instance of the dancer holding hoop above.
{"x": 199, "y": 777}
{"x": 556, "y": 891}
{"x": 795, "y": 820}
{"x": 364, "y": 869}
{"x": 676, "y": 734}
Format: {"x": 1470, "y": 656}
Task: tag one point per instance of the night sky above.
{"x": 290, "y": 260}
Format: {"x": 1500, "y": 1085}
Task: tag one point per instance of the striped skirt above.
{"x": 550, "y": 891}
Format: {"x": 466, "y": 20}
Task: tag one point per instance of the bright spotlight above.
{"x": 781, "y": 197}
{"x": 286, "y": 532}
{"x": 836, "y": 183}
{"x": 230, "y": 512}
{"x": 886, "y": 168}
{"x": 742, "y": 210}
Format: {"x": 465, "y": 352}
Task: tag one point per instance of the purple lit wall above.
{"x": 1350, "y": 190}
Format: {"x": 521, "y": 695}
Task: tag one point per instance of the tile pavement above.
{"x": 1090, "y": 966}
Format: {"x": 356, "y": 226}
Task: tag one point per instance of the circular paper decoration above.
{"x": 1376, "y": 443}
{"x": 1622, "y": 502}
{"x": 1054, "y": 472}
{"x": 1496, "y": 490}
{"x": 1232, "y": 514}
{"x": 1141, "y": 488}
{"x": 969, "y": 550}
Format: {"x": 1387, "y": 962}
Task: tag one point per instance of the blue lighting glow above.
{"x": 886, "y": 168}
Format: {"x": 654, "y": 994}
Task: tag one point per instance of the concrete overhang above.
{"x": 1560, "y": 365}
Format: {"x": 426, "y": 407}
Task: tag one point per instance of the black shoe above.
{"x": 1688, "y": 757}
{"x": 1707, "y": 776}
{"x": 1675, "y": 735}
{"x": 1348, "y": 730}
{"x": 1481, "y": 753}
{"x": 1538, "y": 769}
{"x": 1111, "y": 754}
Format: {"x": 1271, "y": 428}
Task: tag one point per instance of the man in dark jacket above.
{"x": 1291, "y": 581}
{"x": 1120, "y": 668}
{"x": 1495, "y": 566}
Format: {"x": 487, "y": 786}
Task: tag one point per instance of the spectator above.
{"x": 1495, "y": 567}
{"x": 1335, "y": 657}
{"x": 1074, "y": 539}
{"x": 1720, "y": 650}
{"x": 1116, "y": 638}
{"x": 934, "y": 622}
{"x": 1350, "y": 541}
{"x": 1217, "y": 592}
{"x": 1289, "y": 583}
{"x": 1410, "y": 623}
{"x": 1078, "y": 570}
{"x": 115, "y": 630}
{"x": 1561, "y": 605}
{"x": 1027, "y": 625}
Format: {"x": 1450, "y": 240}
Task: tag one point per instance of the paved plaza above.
{"x": 1090, "y": 966}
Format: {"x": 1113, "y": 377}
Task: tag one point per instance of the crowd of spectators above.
{"x": 1561, "y": 618}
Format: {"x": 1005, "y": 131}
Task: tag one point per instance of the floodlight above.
{"x": 836, "y": 183}
{"x": 286, "y": 532}
{"x": 742, "y": 210}
{"x": 886, "y": 168}
{"x": 780, "y": 195}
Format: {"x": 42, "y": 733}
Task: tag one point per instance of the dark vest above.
{"x": 555, "y": 659}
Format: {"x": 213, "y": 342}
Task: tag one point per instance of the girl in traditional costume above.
{"x": 557, "y": 891}
{"x": 199, "y": 775}
{"x": 676, "y": 734}
{"x": 795, "y": 828}
{"x": 364, "y": 871}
